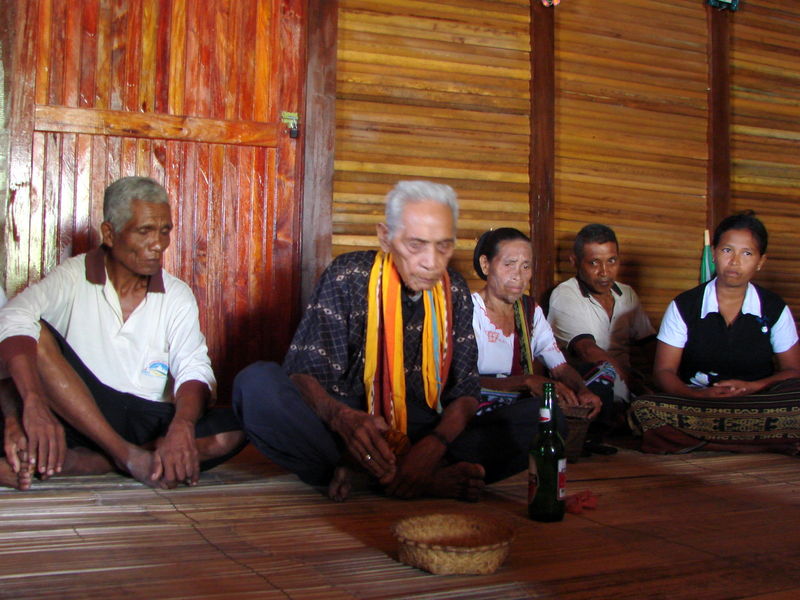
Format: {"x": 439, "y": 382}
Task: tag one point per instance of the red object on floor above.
{"x": 577, "y": 502}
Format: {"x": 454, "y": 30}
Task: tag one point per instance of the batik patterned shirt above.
{"x": 329, "y": 342}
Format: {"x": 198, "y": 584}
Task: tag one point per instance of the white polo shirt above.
{"x": 161, "y": 338}
{"x": 496, "y": 350}
{"x": 574, "y": 312}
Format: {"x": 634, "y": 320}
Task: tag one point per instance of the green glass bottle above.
{"x": 547, "y": 466}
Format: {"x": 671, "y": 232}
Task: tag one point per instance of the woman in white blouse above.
{"x": 503, "y": 315}
{"x": 728, "y": 358}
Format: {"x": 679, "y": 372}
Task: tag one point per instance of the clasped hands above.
{"x": 363, "y": 435}
{"x": 730, "y": 387}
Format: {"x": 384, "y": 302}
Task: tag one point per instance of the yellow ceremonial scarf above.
{"x": 384, "y": 369}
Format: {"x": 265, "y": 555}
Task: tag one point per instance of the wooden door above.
{"x": 191, "y": 94}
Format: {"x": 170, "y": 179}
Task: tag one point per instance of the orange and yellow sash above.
{"x": 384, "y": 369}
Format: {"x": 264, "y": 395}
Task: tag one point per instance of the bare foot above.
{"x": 139, "y": 465}
{"x": 18, "y": 481}
{"x": 341, "y": 484}
{"x": 461, "y": 480}
{"x": 82, "y": 461}
{"x": 214, "y": 446}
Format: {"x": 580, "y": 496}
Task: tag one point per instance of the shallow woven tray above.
{"x": 577, "y": 426}
{"x": 453, "y": 543}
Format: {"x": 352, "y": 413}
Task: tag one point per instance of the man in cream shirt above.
{"x": 111, "y": 343}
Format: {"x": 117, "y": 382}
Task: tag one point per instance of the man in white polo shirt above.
{"x": 111, "y": 343}
{"x": 597, "y": 320}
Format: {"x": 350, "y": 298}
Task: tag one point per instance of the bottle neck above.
{"x": 546, "y": 411}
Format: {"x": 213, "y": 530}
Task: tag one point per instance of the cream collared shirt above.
{"x": 160, "y": 342}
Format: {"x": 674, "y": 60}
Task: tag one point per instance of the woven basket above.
{"x": 577, "y": 426}
{"x": 453, "y": 543}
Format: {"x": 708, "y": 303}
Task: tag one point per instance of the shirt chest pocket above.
{"x": 154, "y": 371}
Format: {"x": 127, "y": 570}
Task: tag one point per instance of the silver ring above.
{"x": 368, "y": 457}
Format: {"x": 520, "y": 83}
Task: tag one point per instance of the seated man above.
{"x": 102, "y": 341}
{"x": 598, "y": 320}
{"x": 381, "y": 374}
{"x": 16, "y": 471}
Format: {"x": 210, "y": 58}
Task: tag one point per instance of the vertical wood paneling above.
{"x": 542, "y": 156}
{"x": 289, "y": 49}
{"x": 82, "y": 220}
{"x": 43, "y": 49}
{"x": 148, "y": 67}
{"x": 236, "y": 211}
{"x": 103, "y": 67}
{"x": 90, "y": 47}
{"x": 136, "y": 77}
{"x": 631, "y": 147}
{"x": 72, "y": 56}
{"x": 64, "y": 204}
{"x": 263, "y": 65}
{"x": 765, "y": 128}
{"x": 25, "y": 148}
{"x": 161, "y": 51}
{"x": 177, "y": 57}
{"x": 320, "y": 118}
{"x": 432, "y": 91}
{"x": 49, "y": 195}
{"x": 719, "y": 116}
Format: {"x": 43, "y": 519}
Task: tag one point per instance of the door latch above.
{"x": 292, "y": 122}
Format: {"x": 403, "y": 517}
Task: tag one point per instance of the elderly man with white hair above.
{"x": 111, "y": 343}
{"x": 381, "y": 374}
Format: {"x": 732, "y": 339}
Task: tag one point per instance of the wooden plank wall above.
{"x": 432, "y": 90}
{"x": 631, "y": 151}
{"x": 765, "y": 133}
{"x": 6, "y": 28}
{"x": 189, "y": 93}
{"x": 631, "y": 117}
{"x": 439, "y": 90}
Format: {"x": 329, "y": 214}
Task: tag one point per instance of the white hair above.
{"x": 119, "y": 196}
{"x": 406, "y": 192}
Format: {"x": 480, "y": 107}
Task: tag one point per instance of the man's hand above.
{"x": 566, "y": 395}
{"x": 587, "y": 398}
{"x": 15, "y": 445}
{"x": 535, "y": 384}
{"x": 416, "y": 468}
{"x": 175, "y": 458}
{"x": 46, "y": 445}
{"x": 363, "y": 435}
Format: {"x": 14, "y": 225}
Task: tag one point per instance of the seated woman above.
{"x": 511, "y": 330}
{"x": 716, "y": 358}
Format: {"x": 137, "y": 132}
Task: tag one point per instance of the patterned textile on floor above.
{"x": 770, "y": 419}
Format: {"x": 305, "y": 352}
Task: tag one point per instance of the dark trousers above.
{"x": 282, "y": 426}
{"x": 138, "y": 420}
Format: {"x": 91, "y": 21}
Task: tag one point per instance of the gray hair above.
{"x": 120, "y": 195}
{"x": 406, "y": 192}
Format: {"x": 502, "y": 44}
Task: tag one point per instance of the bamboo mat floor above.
{"x": 706, "y": 525}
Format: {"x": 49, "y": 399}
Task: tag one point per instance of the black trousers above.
{"x": 281, "y": 425}
{"x": 137, "y": 420}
